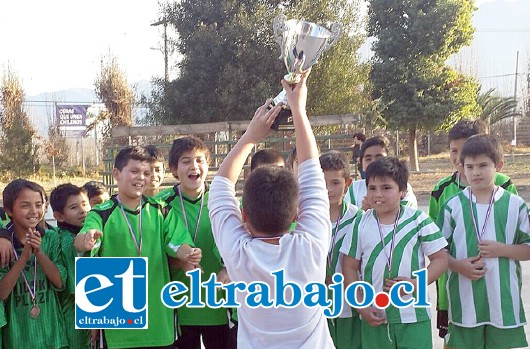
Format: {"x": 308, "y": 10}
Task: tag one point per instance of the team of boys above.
{"x": 311, "y": 221}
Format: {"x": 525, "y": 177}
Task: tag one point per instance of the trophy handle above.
{"x": 336, "y": 28}
{"x": 279, "y": 27}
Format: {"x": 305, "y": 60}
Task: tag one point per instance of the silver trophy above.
{"x": 301, "y": 44}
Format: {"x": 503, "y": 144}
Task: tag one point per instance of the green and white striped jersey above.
{"x": 494, "y": 299}
{"x": 357, "y": 191}
{"x": 450, "y": 185}
{"x": 417, "y": 236}
{"x": 444, "y": 190}
{"x": 339, "y": 230}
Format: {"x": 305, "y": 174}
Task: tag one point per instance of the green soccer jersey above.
{"x": 161, "y": 237}
{"x": 77, "y": 339}
{"x": 200, "y": 231}
{"x": 47, "y": 329}
{"x": 450, "y": 186}
{"x": 4, "y": 218}
{"x": 417, "y": 236}
{"x": 494, "y": 299}
{"x": 444, "y": 190}
{"x": 2, "y": 321}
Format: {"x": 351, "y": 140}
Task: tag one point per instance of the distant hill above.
{"x": 41, "y": 107}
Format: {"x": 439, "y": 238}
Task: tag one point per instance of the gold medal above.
{"x": 34, "y": 312}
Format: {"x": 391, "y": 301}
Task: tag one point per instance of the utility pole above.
{"x": 514, "y": 117}
{"x": 515, "y": 98}
{"x": 166, "y": 67}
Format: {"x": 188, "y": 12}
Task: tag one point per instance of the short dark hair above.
{"x": 265, "y": 157}
{"x": 466, "y": 128}
{"x": 270, "y": 199}
{"x": 360, "y": 136}
{"x": 381, "y": 141}
{"x": 61, "y": 193}
{"x": 15, "y": 187}
{"x": 389, "y": 167}
{"x": 184, "y": 144}
{"x": 129, "y": 153}
{"x": 482, "y": 144}
{"x": 335, "y": 161}
{"x": 94, "y": 188}
{"x": 153, "y": 154}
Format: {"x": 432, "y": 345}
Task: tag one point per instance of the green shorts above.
{"x": 346, "y": 332}
{"x": 417, "y": 335}
{"x": 485, "y": 337}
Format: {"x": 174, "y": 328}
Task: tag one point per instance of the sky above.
{"x": 55, "y": 45}
{"x": 58, "y": 44}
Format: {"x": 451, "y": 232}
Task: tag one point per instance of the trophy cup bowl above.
{"x": 301, "y": 45}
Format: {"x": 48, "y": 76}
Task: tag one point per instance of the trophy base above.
{"x": 292, "y": 78}
{"x": 284, "y": 121}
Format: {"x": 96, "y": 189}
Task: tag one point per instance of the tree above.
{"x": 409, "y": 74}
{"x": 56, "y": 147}
{"x": 230, "y": 60}
{"x": 495, "y": 108}
{"x": 18, "y": 148}
{"x": 112, "y": 89}
{"x": 337, "y": 80}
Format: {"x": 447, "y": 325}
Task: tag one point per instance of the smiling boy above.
{"x": 388, "y": 243}
{"x": 29, "y": 284}
{"x": 156, "y": 164}
{"x": 371, "y": 150}
{"x": 133, "y": 225}
{"x": 188, "y": 162}
{"x": 70, "y": 205}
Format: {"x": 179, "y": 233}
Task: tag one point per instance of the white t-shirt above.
{"x": 301, "y": 253}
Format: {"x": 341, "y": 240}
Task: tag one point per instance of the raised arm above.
{"x": 306, "y": 146}
{"x": 258, "y": 129}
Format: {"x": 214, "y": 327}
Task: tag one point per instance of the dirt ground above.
{"x": 432, "y": 169}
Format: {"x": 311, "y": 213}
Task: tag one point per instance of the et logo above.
{"x": 110, "y": 293}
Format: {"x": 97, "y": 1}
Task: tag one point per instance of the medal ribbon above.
{"x": 382, "y": 237}
{"x": 33, "y": 294}
{"x": 334, "y": 240}
{"x": 185, "y": 216}
{"x": 475, "y": 218}
{"x": 131, "y": 231}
